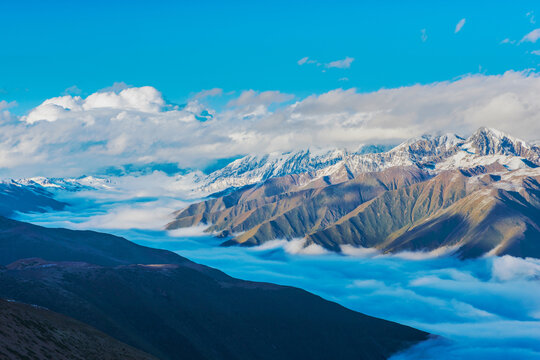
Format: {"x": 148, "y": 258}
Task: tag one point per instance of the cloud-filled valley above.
{"x": 484, "y": 308}
{"x": 270, "y": 180}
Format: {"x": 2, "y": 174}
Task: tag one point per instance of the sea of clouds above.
{"x": 486, "y": 308}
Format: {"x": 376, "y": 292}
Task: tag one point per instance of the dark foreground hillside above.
{"x": 28, "y": 332}
{"x": 182, "y": 310}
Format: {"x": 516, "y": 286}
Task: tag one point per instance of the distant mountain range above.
{"x": 474, "y": 196}
{"x": 445, "y": 193}
{"x": 442, "y": 152}
{"x": 15, "y": 196}
{"x": 164, "y": 305}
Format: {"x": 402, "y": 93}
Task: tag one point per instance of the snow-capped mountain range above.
{"x": 66, "y": 184}
{"x": 443, "y": 194}
{"x": 486, "y": 147}
{"x": 434, "y": 153}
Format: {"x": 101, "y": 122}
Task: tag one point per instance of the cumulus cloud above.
{"x": 459, "y": 26}
{"x": 532, "y": 37}
{"x": 144, "y": 99}
{"x": 341, "y": 64}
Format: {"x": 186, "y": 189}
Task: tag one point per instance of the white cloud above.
{"x": 508, "y": 268}
{"x": 423, "y": 35}
{"x": 535, "y": 52}
{"x": 208, "y": 93}
{"x": 508, "y": 41}
{"x": 116, "y": 87}
{"x": 7, "y": 104}
{"x": 5, "y": 115}
{"x": 531, "y": 17}
{"x": 533, "y": 36}
{"x": 302, "y": 61}
{"x": 459, "y": 26}
{"x": 252, "y": 97}
{"x": 307, "y": 60}
{"x": 194, "y": 231}
{"x": 138, "y": 216}
{"x": 144, "y": 99}
{"x": 341, "y": 64}
{"x": 71, "y": 135}
{"x": 73, "y": 90}
{"x": 294, "y": 246}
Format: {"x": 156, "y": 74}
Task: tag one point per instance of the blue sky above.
{"x": 181, "y": 48}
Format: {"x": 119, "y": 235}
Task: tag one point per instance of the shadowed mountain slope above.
{"x": 179, "y": 309}
{"x": 29, "y": 332}
{"x": 282, "y": 208}
{"x": 19, "y": 240}
{"x": 26, "y": 198}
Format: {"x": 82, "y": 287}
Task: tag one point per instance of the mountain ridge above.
{"x": 425, "y": 151}
{"x": 170, "y": 307}
{"x": 488, "y": 166}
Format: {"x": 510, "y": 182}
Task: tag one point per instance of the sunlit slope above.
{"x": 369, "y": 225}
{"x": 489, "y": 221}
{"x": 474, "y": 211}
{"x": 293, "y": 211}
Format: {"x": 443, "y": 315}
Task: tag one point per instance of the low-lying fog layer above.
{"x": 487, "y": 308}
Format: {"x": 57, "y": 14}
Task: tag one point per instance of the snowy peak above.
{"x": 434, "y": 153}
{"x": 437, "y": 152}
{"x": 66, "y": 184}
{"x": 252, "y": 169}
{"x": 487, "y": 141}
{"x": 428, "y": 146}
{"x": 430, "y": 143}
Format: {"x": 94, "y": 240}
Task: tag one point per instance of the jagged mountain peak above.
{"x": 256, "y": 168}
{"x": 428, "y": 144}
{"x": 489, "y": 141}
{"x": 494, "y": 133}
{"x": 447, "y": 140}
{"x": 438, "y": 152}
